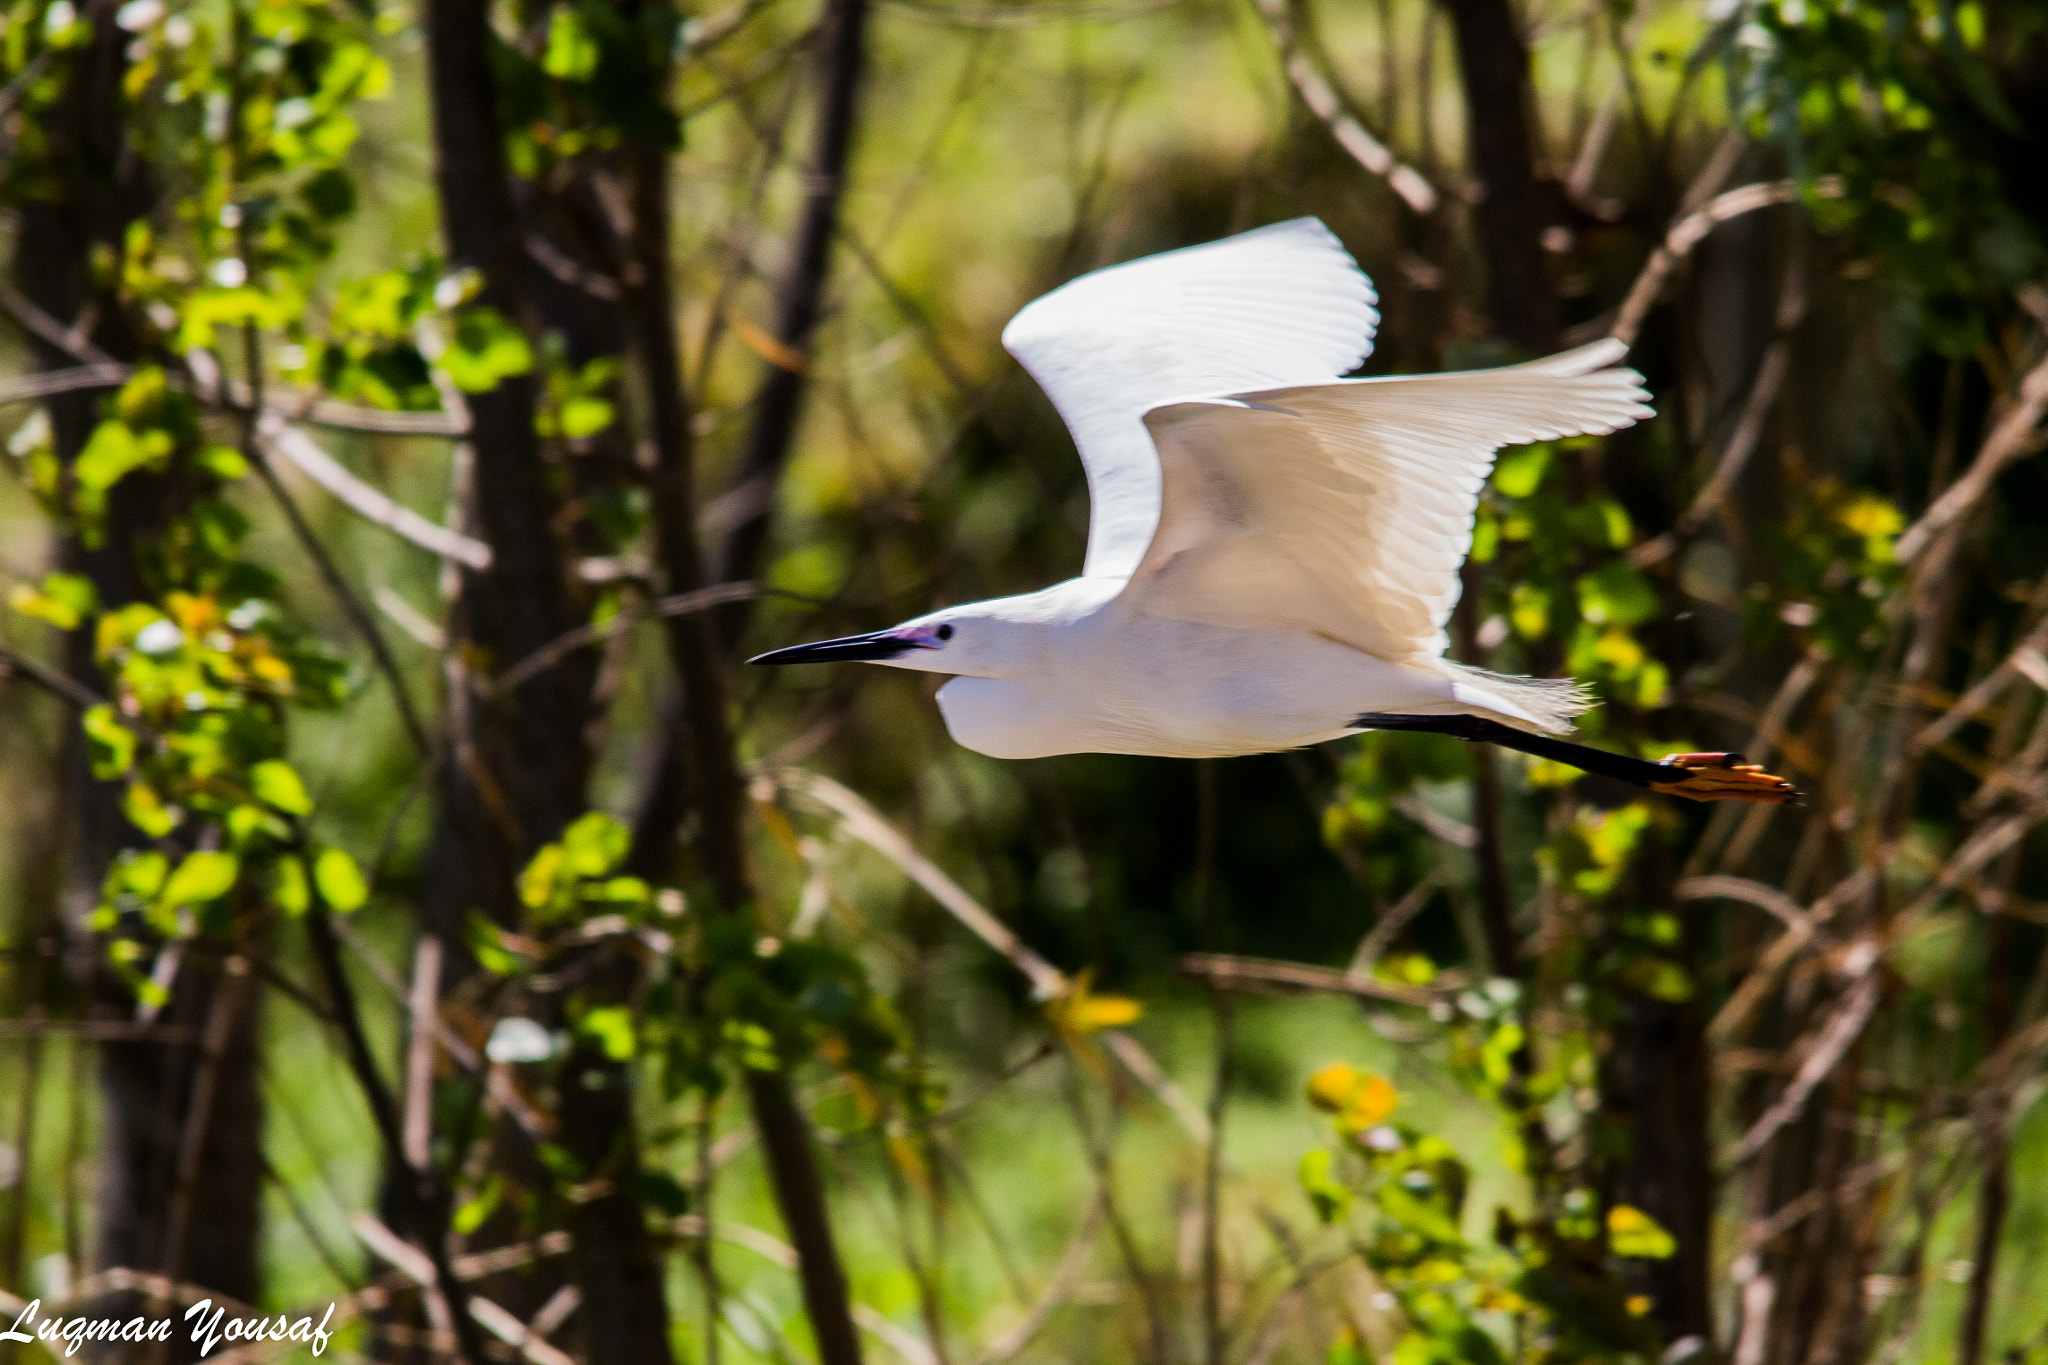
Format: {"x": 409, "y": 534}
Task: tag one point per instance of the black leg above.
{"x": 1703, "y": 777}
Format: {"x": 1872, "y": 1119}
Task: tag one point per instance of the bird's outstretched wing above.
{"x": 1346, "y": 508}
{"x": 1280, "y": 305}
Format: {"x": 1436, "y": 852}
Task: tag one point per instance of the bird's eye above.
{"x": 945, "y": 632}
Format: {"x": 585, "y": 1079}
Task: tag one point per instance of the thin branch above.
{"x": 1688, "y": 232}
{"x": 351, "y": 605}
{"x": 281, "y": 438}
{"x": 51, "y": 382}
{"x": 567, "y": 643}
{"x": 2008, "y": 441}
{"x": 1323, "y": 101}
{"x": 1073, "y": 1262}
{"x": 1269, "y": 976}
{"x": 57, "y": 684}
{"x": 1828, "y": 1047}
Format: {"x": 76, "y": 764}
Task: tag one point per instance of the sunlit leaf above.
{"x": 1631, "y": 1232}
{"x": 201, "y": 877}
{"x": 277, "y": 782}
{"x": 339, "y": 880}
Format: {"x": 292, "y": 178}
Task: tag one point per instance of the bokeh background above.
{"x": 410, "y": 903}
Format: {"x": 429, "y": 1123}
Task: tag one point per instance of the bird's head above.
{"x": 978, "y": 640}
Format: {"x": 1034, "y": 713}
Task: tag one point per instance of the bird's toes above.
{"x": 1724, "y": 777}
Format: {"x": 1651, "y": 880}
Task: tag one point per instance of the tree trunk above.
{"x": 699, "y": 770}
{"x": 147, "y": 1088}
{"x": 1493, "y": 59}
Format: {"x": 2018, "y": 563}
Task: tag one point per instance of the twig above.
{"x": 1064, "y": 1277}
{"x": 1688, "y": 232}
{"x": 351, "y": 605}
{"x": 863, "y": 823}
{"x": 1381, "y": 937}
{"x": 2007, "y": 442}
{"x": 51, "y": 382}
{"x": 1323, "y": 101}
{"x": 57, "y": 684}
{"x": 305, "y": 455}
{"x": 1829, "y": 1046}
{"x": 1263, "y": 974}
{"x": 423, "y": 1013}
{"x": 421, "y": 1270}
{"x": 567, "y": 643}
{"x": 1749, "y": 428}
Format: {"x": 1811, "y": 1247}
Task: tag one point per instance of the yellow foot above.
{"x": 1724, "y": 777}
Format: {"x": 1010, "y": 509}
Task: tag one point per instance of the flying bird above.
{"x": 1273, "y": 551}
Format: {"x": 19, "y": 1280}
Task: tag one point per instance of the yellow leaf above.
{"x": 1631, "y": 1232}
{"x": 911, "y": 1162}
{"x": 1081, "y": 1011}
{"x": 767, "y": 347}
{"x": 1369, "y": 1107}
{"x": 1331, "y": 1088}
{"x": 1359, "y": 1099}
{"x": 1638, "y": 1304}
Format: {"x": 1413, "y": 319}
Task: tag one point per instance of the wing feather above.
{"x": 1280, "y": 305}
{"x": 1347, "y": 507}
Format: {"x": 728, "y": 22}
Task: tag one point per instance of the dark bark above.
{"x": 96, "y": 188}
{"x": 1493, "y": 60}
{"x": 699, "y": 770}
{"x": 1665, "y": 1094}
{"x": 531, "y": 760}
{"x": 518, "y": 767}
{"x": 779, "y": 404}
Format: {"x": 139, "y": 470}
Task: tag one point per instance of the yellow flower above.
{"x": 1359, "y": 1099}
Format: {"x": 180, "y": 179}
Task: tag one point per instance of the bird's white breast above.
{"x": 1127, "y": 683}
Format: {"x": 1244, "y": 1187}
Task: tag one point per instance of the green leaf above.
{"x": 139, "y": 874}
{"x": 1415, "y": 1215}
{"x": 1331, "y": 1197}
{"x": 201, "y": 877}
{"x": 146, "y": 810}
{"x": 276, "y": 782}
{"x": 572, "y": 50}
{"x": 1631, "y": 1232}
{"x": 662, "y": 1192}
{"x": 583, "y": 417}
{"x": 339, "y": 880}
{"x": 1518, "y": 472}
{"x": 64, "y": 600}
{"x": 595, "y": 844}
{"x": 112, "y": 743}
{"x": 289, "y": 887}
{"x": 537, "y": 882}
{"x": 471, "y": 1215}
{"x": 1617, "y": 594}
{"x": 484, "y": 350}
{"x": 223, "y": 462}
{"x": 611, "y": 1028}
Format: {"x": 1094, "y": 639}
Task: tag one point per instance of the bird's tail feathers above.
{"x": 1546, "y": 704}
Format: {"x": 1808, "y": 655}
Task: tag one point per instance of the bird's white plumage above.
{"x": 1281, "y": 305}
{"x": 1346, "y": 508}
{"x": 1273, "y": 550}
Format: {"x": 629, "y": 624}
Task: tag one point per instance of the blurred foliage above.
{"x": 1480, "y": 1196}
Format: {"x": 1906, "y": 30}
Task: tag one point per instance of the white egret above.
{"x": 1273, "y": 551}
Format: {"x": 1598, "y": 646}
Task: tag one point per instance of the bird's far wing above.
{"x": 1346, "y": 508}
{"x": 1280, "y": 305}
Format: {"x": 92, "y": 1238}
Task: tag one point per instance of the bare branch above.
{"x": 2007, "y": 442}
{"x": 1688, "y": 232}
{"x": 1262, "y": 974}
{"x": 49, "y": 679}
{"x": 1323, "y": 101}
{"x": 305, "y": 455}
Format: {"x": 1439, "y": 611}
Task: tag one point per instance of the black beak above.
{"x": 880, "y": 644}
